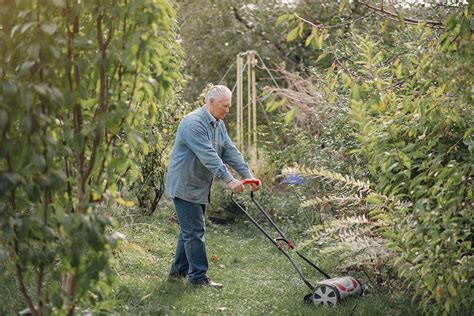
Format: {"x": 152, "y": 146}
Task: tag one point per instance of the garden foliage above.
{"x": 80, "y": 80}
{"x": 409, "y": 92}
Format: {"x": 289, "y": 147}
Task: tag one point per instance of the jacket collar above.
{"x": 208, "y": 116}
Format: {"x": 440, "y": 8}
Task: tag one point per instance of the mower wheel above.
{"x": 308, "y": 299}
{"x": 325, "y": 295}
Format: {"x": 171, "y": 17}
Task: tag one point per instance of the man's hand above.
{"x": 236, "y": 186}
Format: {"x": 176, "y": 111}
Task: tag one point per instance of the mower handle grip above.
{"x": 251, "y": 181}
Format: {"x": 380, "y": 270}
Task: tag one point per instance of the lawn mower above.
{"x": 329, "y": 291}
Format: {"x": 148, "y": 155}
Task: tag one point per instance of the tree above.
{"x": 407, "y": 84}
{"x": 78, "y": 81}
{"x": 214, "y": 32}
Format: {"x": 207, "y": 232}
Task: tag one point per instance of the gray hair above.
{"x": 217, "y": 93}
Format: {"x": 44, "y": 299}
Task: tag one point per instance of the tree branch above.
{"x": 134, "y": 85}
{"x": 77, "y": 112}
{"x": 77, "y": 74}
{"x": 322, "y": 26}
{"x": 14, "y": 254}
{"x": 280, "y": 49}
{"x": 102, "y": 93}
{"x": 68, "y": 182}
{"x": 46, "y": 203}
{"x": 39, "y": 285}
{"x": 19, "y": 276}
{"x": 435, "y": 24}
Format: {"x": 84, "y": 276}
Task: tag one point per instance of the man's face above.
{"x": 219, "y": 108}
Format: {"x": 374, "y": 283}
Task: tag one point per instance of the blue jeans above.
{"x": 191, "y": 256}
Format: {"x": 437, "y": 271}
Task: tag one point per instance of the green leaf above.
{"x": 314, "y": 33}
{"x": 134, "y": 139}
{"x": 124, "y": 203}
{"x": 12, "y": 177}
{"x": 308, "y": 40}
{"x": 59, "y": 3}
{"x": 391, "y": 235}
{"x": 15, "y": 29}
{"x": 419, "y": 258}
{"x": 55, "y": 51}
{"x": 346, "y": 80}
{"x": 9, "y": 88}
{"x": 39, "y": 161}
{"x": 401, "y": 19}
{"x": 27, "y": 26}
{"x": 321, "y": 57}
{"x": 343, "y": 5}
{"x": 26, "y": 66}
{"x": 293, "y": 34}
{"x": 301, "y": 29}
{"x": 399, "y": 71}
{"x": 33, "y": 51}
{"x": 374, "y": 199}
{"x": 376, "y": 212}
{"x": 451, "y": 21}
{"x": 405, "y": 159}
{"x": 42, "y": 88}
{"x": 382, "y": 217}
{"x": 465, "y": 28}
{"x": 145, "y": 148}
{"x": 26, "y": 124}
{"x": 282, "y": 18}
{"x": 3, "y": 255}
{"x": 273, "y": 105}
{"x": 290, "y": 115}
{"x": 319, "y": 41}
{"x": 452, "y": 290}
{"x": 56, "y": 300}
{"x": 355, "y": 92}
{"x": 49, "y": 27}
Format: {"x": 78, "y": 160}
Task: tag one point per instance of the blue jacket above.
{"x": 201, "y": 151}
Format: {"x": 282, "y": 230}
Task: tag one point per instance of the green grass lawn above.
{"x": 257, "y": 278}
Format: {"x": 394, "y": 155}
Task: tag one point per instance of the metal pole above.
{"x": 249, "y": 104}
{"x": 239, "y": 101}
{"x": 295, "y": 265}
{"x": 254, "y": 108}
{"x": 242, "y": 102}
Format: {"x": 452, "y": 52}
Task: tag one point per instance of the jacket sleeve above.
{"x": 197, "y": 140}
{"x": 232, "y": 156}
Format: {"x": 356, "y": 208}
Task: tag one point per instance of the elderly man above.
{"x": 201, "y": 151}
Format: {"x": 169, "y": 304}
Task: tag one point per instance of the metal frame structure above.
{"x": 251, "y": 131}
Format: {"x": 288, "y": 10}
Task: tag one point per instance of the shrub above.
{"x": 410, "y": 93}
{"x": 79, "y": 79}
{"x": 417, "y": 137}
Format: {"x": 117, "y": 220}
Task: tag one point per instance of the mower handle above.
{"x": 276, "y": 240}
{"x": 251, "y": 181}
